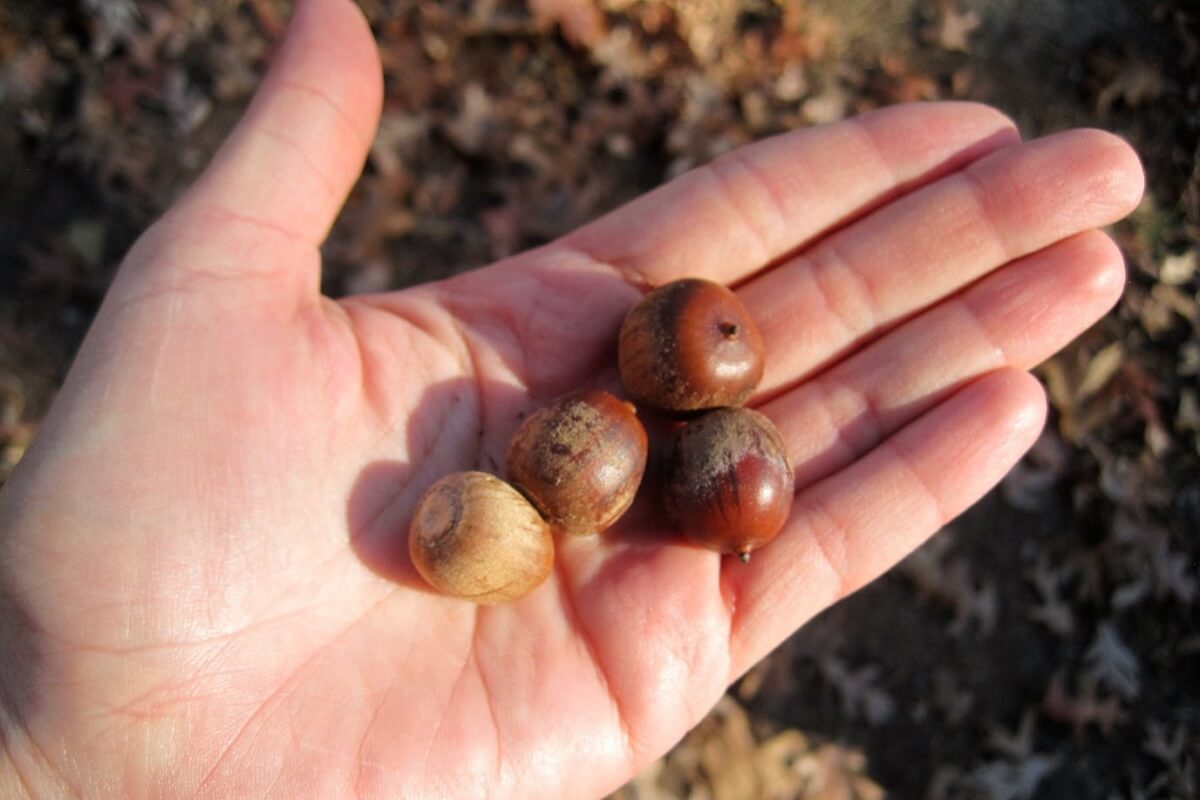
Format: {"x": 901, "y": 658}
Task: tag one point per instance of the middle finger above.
{"x": 863, "y": 279}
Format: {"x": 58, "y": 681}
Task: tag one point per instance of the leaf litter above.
{"x": 1066, "y": 604}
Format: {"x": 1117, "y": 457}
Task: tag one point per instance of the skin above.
{"x": 205, "y": 585}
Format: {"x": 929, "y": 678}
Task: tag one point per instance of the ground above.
{"x": 1047, "y": 645}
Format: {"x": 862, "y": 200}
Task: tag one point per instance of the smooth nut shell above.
{"x": 474, "y": 536}
{"x": 727, "y": 482}
{"x": 580, "y": 460}
{"x": 689, "y": 346}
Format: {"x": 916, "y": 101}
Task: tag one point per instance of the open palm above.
{"x": 206, "y": 588}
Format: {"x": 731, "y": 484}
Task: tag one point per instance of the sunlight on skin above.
{"x": 203, "y": 573}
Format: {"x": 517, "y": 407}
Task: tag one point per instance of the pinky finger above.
{"x": 852, "y": 526}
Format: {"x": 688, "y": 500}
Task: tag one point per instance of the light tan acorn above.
{"x": 473, "y": 536}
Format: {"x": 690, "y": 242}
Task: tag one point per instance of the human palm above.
{"x": 205, "y": 577}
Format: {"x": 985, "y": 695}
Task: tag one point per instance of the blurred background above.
{"x": 1047, "y": 645}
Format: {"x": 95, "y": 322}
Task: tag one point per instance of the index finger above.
{"x": 736, "y": 215}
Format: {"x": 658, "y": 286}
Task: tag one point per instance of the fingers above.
{"x": 1016, "y": 317}
{"x": 277, "y": 183}
{"x": 731, "y": 218}
{"x": 885, "y": 451}
{"x": 869, "y": 275}
{"x": 851, "y": 527}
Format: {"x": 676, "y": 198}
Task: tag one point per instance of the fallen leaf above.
{"x": 1002, "y": 780}
{"x": 1136, "y": 83}
{"x": 1100, "y": 370}
{"x": 948, "y": 580}
{"x": 1085, "y": 709}
{"x": 792, "y": 83}
{"x": 26, "y": 74}
{"x": 955, "y": 29}
{"x": 115, "y": 22}
{"x": 1178, "y": 269}
{"x": 951, "y": 698}
{"x": 1051, "y": 610}
{"x": 830, "y": 105}
{"x": 476, "y": 122}
{"x": 1112, "y": 664}
{"x": 1017, "y": 745}
{"x": 86, "y": 238}
{"x": 1166, "y": 749}
{"x": 580, "y": 20}
{"x": 836, "y": 773}
{"x": 857, "y": 690}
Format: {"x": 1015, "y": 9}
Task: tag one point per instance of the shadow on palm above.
{"x": 528, "y": 335}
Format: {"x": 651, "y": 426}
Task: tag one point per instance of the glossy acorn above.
{"x": 727, "y": 483}
{"x": 473, "y": 536}
{"x": 580, "y": 460}
{"x": 688, "y": 346}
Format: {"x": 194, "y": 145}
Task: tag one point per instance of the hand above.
{"x": 205, "y": 582}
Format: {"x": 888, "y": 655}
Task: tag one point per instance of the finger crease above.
{"x": 981, "y": 192}
{"x": 568, "y": 600}
{"x": 497, "y": 764}
{"x": 877, "y": 152}
{"x": 328, "y": 100}
{"x": 908, "y": 464}
{"x": 325, "y": 181}
{"x": 864, "y": 430}
{"x": 726, "y": 182}
{"x": 625, "y": 269}
{"x": 817, "y": 278}
{"x": 834, "y": 557}
{"x": 975, "y": 319}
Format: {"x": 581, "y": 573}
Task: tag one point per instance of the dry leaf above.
{"x": 1028, "y": 488}
{"x": 838, "y": 774}
{"x": 1179, "y": 268}
{"x": 830, "y": 105}
{"x": 476, "y": 121}
{"x": 1187, "y": 418}
{"x": 580, "y": 20}
{"x": 1083, "y": 710}
{"x": 1001, "y": 780}
{"x": 948, "y": 580}
{"x": 1017, "y": 745}
{"x": 1112, "y": 664}
{"x": 954, "y": 31}
{"x": 1135, "y": 84}
{"x": 87, "y": 238}
{"x": 1051, "y": 610}
{"x": 950, "y": 697}
{"x": 1100, "y": 370}
{"x": 857, "y": 690}
{"x": 792, "y": 83}
{"x": 26, "y": 74}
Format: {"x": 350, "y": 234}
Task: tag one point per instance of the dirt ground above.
{"x": 1047, "y": 646}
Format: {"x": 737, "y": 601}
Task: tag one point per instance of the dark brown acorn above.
{"x": 473, "y": 536}
{"x": 727, "y": 482}
{"x": 689, "y": 346}
{"x": 580, "y": 460}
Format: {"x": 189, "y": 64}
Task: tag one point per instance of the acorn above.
{"x": 688, "y": 346}
{"x": 727, "y": 482}
{"x": 580, "y": 460}
{"x": 473, "y": 536}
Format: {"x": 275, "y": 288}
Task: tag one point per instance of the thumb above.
{"x": 275, "y": 186}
